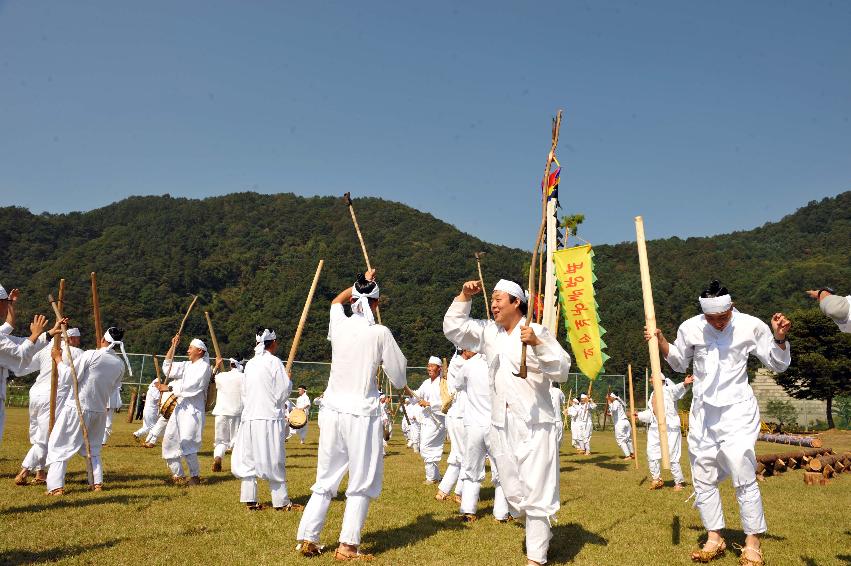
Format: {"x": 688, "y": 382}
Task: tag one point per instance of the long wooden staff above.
{"x": 74, "y": 380}
{"x": 482, "y": 283}
{"x": 54, "y": 369}
{"x": 653, "y": 343}
{"x": 632, "y": 416}
{"x": 568, "y": 403}
{"x": 304, "y": 312}
{"x": 170, "y": 358}
{"x": 550, "y": 156}
{"x": 211, "y": 387}
{"x": 348, "y": 200}
{"x": 96, "y": 309}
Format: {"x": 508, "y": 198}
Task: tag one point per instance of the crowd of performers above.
{"x": 491, "y": 414}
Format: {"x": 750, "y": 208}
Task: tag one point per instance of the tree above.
{"x": 783, "y": 412}
{"x": 842, "y": 408}
{"x": 821, "y": 360}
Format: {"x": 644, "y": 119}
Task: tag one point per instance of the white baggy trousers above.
{"x": 347, "y": 444}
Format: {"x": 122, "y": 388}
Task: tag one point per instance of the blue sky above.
{"x": 703, "y": 117}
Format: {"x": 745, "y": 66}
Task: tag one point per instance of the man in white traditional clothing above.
{"x": 303, "y": 402}
{"x": 557, "y": 397}
{"x": 456, "y": 433}
{"x": 259, "y": 451}
{"x": 673, "y": 392}
{"x": 724, "y": 419}
{"x": 227, "y": 411}
{"x": 15, "y": 351}
{"x": 350, "y": 431}
{"x": 39, "y": 409}
{"x": 573, "y": 413}
{"x": 473, "y": 380}
{"x": 150, "y": 413}
{"x": 621, "y": 426}
{"x": 523, "y": 429}
{"x": 837, "y": 307}
{"x": 415, "y": 415}
{"x": 182, "y": 439}
{"x": 98, "y": 374}
{"x": 112, "y": 407}
{"x": 432, "y": 421}
{"x": 584, "y": 424}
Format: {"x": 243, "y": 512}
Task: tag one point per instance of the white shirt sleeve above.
{"x": 461, "y": 330}
{"x": 393, "y": 360}
{"x": 769, "y": 352}
{"x": 680, "y": 352}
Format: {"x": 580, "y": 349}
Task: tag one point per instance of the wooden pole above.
{"x": 96, "y": 309}
{"x": 131, "y": 408}
{"x": 540, "y": 307}
{"x": 632, "y": 416}
{"x": 541, "y": 228}
{"x": 212, "y": 335}
{"x": 606, "y": 411}
{"x": 653, "y": 343}
{"x": 303, "y": 319}
{"x": 211, "y": 387}
{"x": 482, "y": 283}
{"x": 54, "y": 370}
{"x": 75, "y": 383}
{"x": 179, "y": 334}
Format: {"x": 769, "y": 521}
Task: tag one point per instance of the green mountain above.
{"x": 251, "y": 259}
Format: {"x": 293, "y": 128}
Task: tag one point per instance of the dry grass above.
{"x": 608, "y": 516}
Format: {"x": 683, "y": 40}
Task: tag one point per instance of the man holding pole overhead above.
{"x": 523, "y": 424}
{"x": 350, "y": 429}
{"x": 724, "y": 419}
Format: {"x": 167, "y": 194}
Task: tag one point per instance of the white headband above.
{"x": 235, "y": 363}
{"x": 3, "y": 294}
{"x": 198, "y": 344}
{"x": 112, "y": 342}
{"x": 583, "y": 396}
{"x": 435, "y": 360}
{"x": 361, "y": 304}
{"x": 265, "y": 336}
{"x": 716, "y": 305}
{"x": 73, "y": 332}
{"x": 512, "y": 289}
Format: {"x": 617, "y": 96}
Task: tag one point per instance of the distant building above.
{"x": 766, "y": 389}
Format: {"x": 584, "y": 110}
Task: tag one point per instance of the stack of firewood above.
{"x": 819, "y": 464}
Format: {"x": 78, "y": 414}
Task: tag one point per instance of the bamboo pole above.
{"x": 482, "y": 283}
{"x": 540, "y": 308}
{"x": 653, "y": 343}
{"x": 131, "y": 408}
{"x": 75, "y": 383}
{"x": 211, "y": 387}
{"x": 96, "y": 309}
{"x": 303, "y": 319}
{"x": 522, "y": 372}
{"x": 632, "y": 416}
{"x": 606, "y": 411}
{"x": 54, "y": 369}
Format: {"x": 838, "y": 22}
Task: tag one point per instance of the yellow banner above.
{"x": 575, "y": 274}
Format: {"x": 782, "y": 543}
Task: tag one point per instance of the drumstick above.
{"x": 170, "y": 354}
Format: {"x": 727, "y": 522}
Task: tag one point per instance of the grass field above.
{"x": 608, "y": 516}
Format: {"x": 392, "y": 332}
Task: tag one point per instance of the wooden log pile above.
{"x": 821, "y": 468}
{"x": 770, "y": 464}
{"x": 792, "y": 439}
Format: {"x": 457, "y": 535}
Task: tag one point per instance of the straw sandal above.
{"x": 356, "y": 556}
{"x": 440, "y": 496}
{"x": 56, "y": 492}
{"x": 705, "y": 556}
{"x": 657, "y": 484}
{"x": 468, "y": 518}
{"x": 40, "y": 478}
{"x": 217, "y": 465}
{"x": 744, "y": 560}
{"x": 309, "y": 549}
{"x": 97, "y": 487}
{"x": 291, "y": 507}
{"x": 21, "y": 478}
{"x": 254, "y": 506}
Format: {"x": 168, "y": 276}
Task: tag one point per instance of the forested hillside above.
{"x": 251, "y": 258}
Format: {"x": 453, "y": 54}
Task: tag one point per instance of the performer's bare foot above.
{"x": 657, "y": 484}
{"x": 350, "y": 552}
{"x": 714, "y": 548}
{"x": 217, "y": 464}
{"x": 22, "y": 477}
{"x": 40, "y": 478}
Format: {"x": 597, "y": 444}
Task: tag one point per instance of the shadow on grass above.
{"x": 845, "y": 558}
{"x": 15, "y": 557}
{"x": 568, "y": 541}
{"x": 70, "y": 502}
{"x": 675, "y": 530}
{"x": 423, "y": 527}
{"x": 564, "y": 469}
{"x": 643, "y": 481}
{"x": 617, "y": 467}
